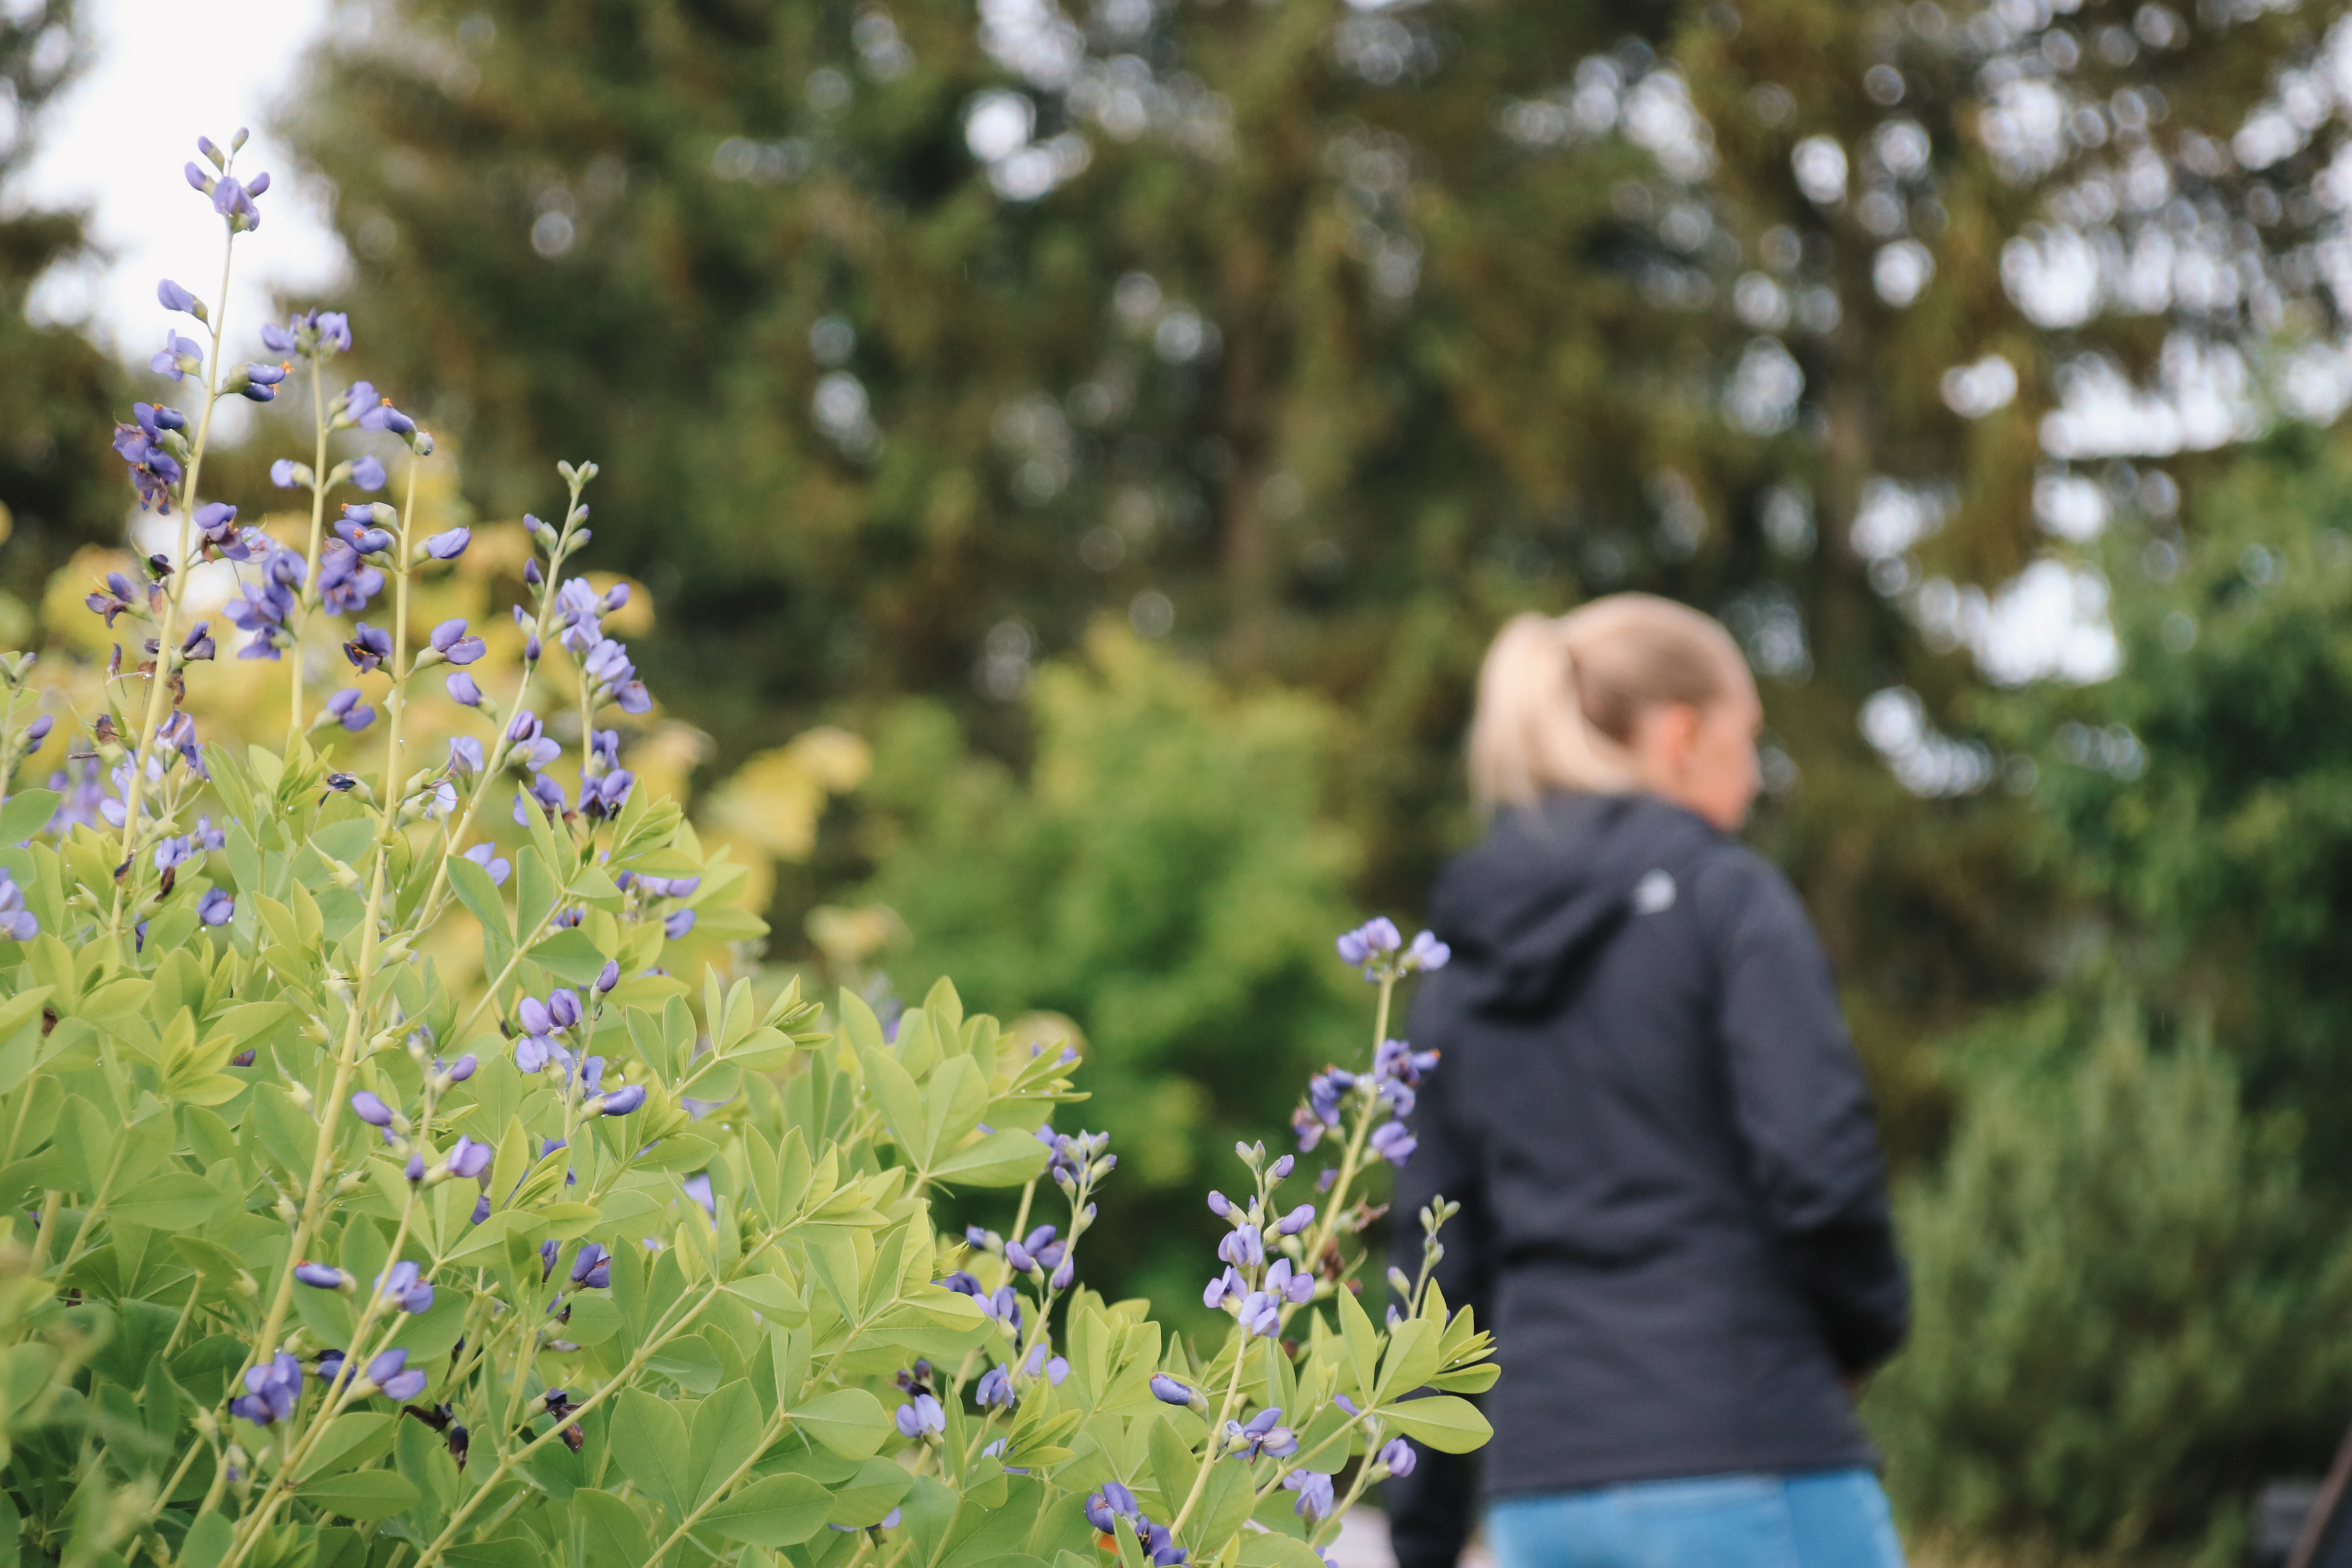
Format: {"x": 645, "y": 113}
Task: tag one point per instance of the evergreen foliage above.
{"x": 2130, "y": 1309}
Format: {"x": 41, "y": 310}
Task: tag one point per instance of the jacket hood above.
{"x": 1528, "y": 910}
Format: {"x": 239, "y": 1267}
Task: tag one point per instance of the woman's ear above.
{"x": 1666, "y": 739}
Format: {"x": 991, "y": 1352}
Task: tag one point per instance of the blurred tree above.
{"x": 1169, "y": 877}
{"x": 1318, "y": 338}
{"x": 2203, "y": 798}
{"x": 59, "y": 486}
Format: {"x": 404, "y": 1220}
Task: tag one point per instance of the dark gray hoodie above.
{"x": 1675, "y": 1214}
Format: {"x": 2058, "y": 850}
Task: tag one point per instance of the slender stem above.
{"x": 167, "y": 633}
{"x": 1225, "y": 1414}
{"x": 774, "y": 1430}
{"x": 307, "y": 598}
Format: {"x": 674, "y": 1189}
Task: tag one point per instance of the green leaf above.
{"x": 27, "y": 812}
{"x": 480, "y": 895}
{"x": 782, "y": 1510}
{"x": 878, "y": 1485}
{"x": 728, "y": 1428}
{"x": 616, "y": 1536}
{"x": 208, "y": 1540}
{"x": 774, "y": 1300}
{"x": 1469, "y": 1379}
{"x": 901, "y": 1103}
{"x": 363, "y": 1494}
{"x": 353, "y": 1440}
{"x": 570, "y": 956}
{"x": 1448, "y": 1425}
{"x": 180, "y": 1202}
{"x": 849, "y": 1421}
{"x": 1006, "y": 1158}
{"x": 1411, "y": 1361}
{"x": 649, "y": 1443}
{"x": 1277, "y": 1552}
{"x": 505, "y": 1551}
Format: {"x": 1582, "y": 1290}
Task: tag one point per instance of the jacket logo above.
{"x": 1654, "y": 893}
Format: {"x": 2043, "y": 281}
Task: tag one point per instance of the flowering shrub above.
{"x": 323, "y": 1260}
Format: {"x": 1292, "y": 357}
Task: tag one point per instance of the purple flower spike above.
{"x": 372, "y": 1109}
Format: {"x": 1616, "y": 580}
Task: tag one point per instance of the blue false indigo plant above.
{"x": 324, "y": 1258}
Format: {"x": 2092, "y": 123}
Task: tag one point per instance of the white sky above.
{"x": 164, "y": 72}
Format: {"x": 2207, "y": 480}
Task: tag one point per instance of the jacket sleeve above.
{"x": 1433, "y": 1511}
{"x": 1804, "y": 1114}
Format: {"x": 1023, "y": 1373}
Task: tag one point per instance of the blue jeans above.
{"x": 1829, "y": 1519}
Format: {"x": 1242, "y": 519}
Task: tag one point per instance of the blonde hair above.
{"x": 1558, "y": 699}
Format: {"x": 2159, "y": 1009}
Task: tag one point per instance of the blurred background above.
{"x": 1075, "y": 452}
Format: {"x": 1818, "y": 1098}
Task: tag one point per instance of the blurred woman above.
{"x": 1673, "y": 1211}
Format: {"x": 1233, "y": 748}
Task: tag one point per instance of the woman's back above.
{"x": 1674, "y": 1217}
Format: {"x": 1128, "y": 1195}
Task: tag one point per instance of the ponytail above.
{"x": 1558, "y": 699}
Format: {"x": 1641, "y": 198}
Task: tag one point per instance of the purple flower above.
{"x": 385, "y": 1373}
{"x": 488, "y": 858}
{"x": 450, "y": 641}
{"x": 921, "y": 1414}
{"x": 275, "y": 1387}
{"x": 592, "y": 1267}
{"x": 359, "y": 529}
{"x": 468, "y": 1160}
{"x": 345, "y": 582}
{"x": 415, "y": 1169}
{"x": 1167, "y": 1391}
{"x": 1114, "y": 1501}
{"x": 1284, "y": 1281}
{"x": 258, "y": 382}
{"x": 368, "y": 474}
{"x": 622, "y": 1101}
{"x": 1393, "y": 1143}
{"x": 216, "y": 908}
{"x": 177, "y": 357}
{"x": 1368, "y": 942}
{"x": 1398, "y": 1457}
{"x": 286, "y": 473}
{"x": 1297, "y": 1220}
{"x": 370, "y": 1108}
{"x": 384, "y": 417}
{"x": 345, "y": 705}
{"x": 463, "y": 690}
{"x": 172, "y": 297}
{"x": 604, "y": 795}
{"x": 1225, "y": 1285}
{"x": 995, "y": 1388}
{"x": 1427, "y": 954}
{"x": 678, "y": 924}
{"x": 1260, "y": 1313}
{"x": 38, "y": 729}
{"x": 321, "y": 1276}
{"x": 1263, "y": 1435}
{"x": 1244, "y": 1249}
{"x": 118, "y": 597}
{"x": 450, "y": 544}
{"x": 1314, "y": 1489}
{"x": 358, "y": 398}
{"x": 401, "y": 1286}
{"x": 459, "y": 1071}
{"x": 609, "y": 977}
{"x": 368, "y": 648}
{"x": 464, "y": 754}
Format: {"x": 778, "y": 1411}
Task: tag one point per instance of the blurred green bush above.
{"x": 2129, "y": 1310}
{"x": 1169, "y": 877}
